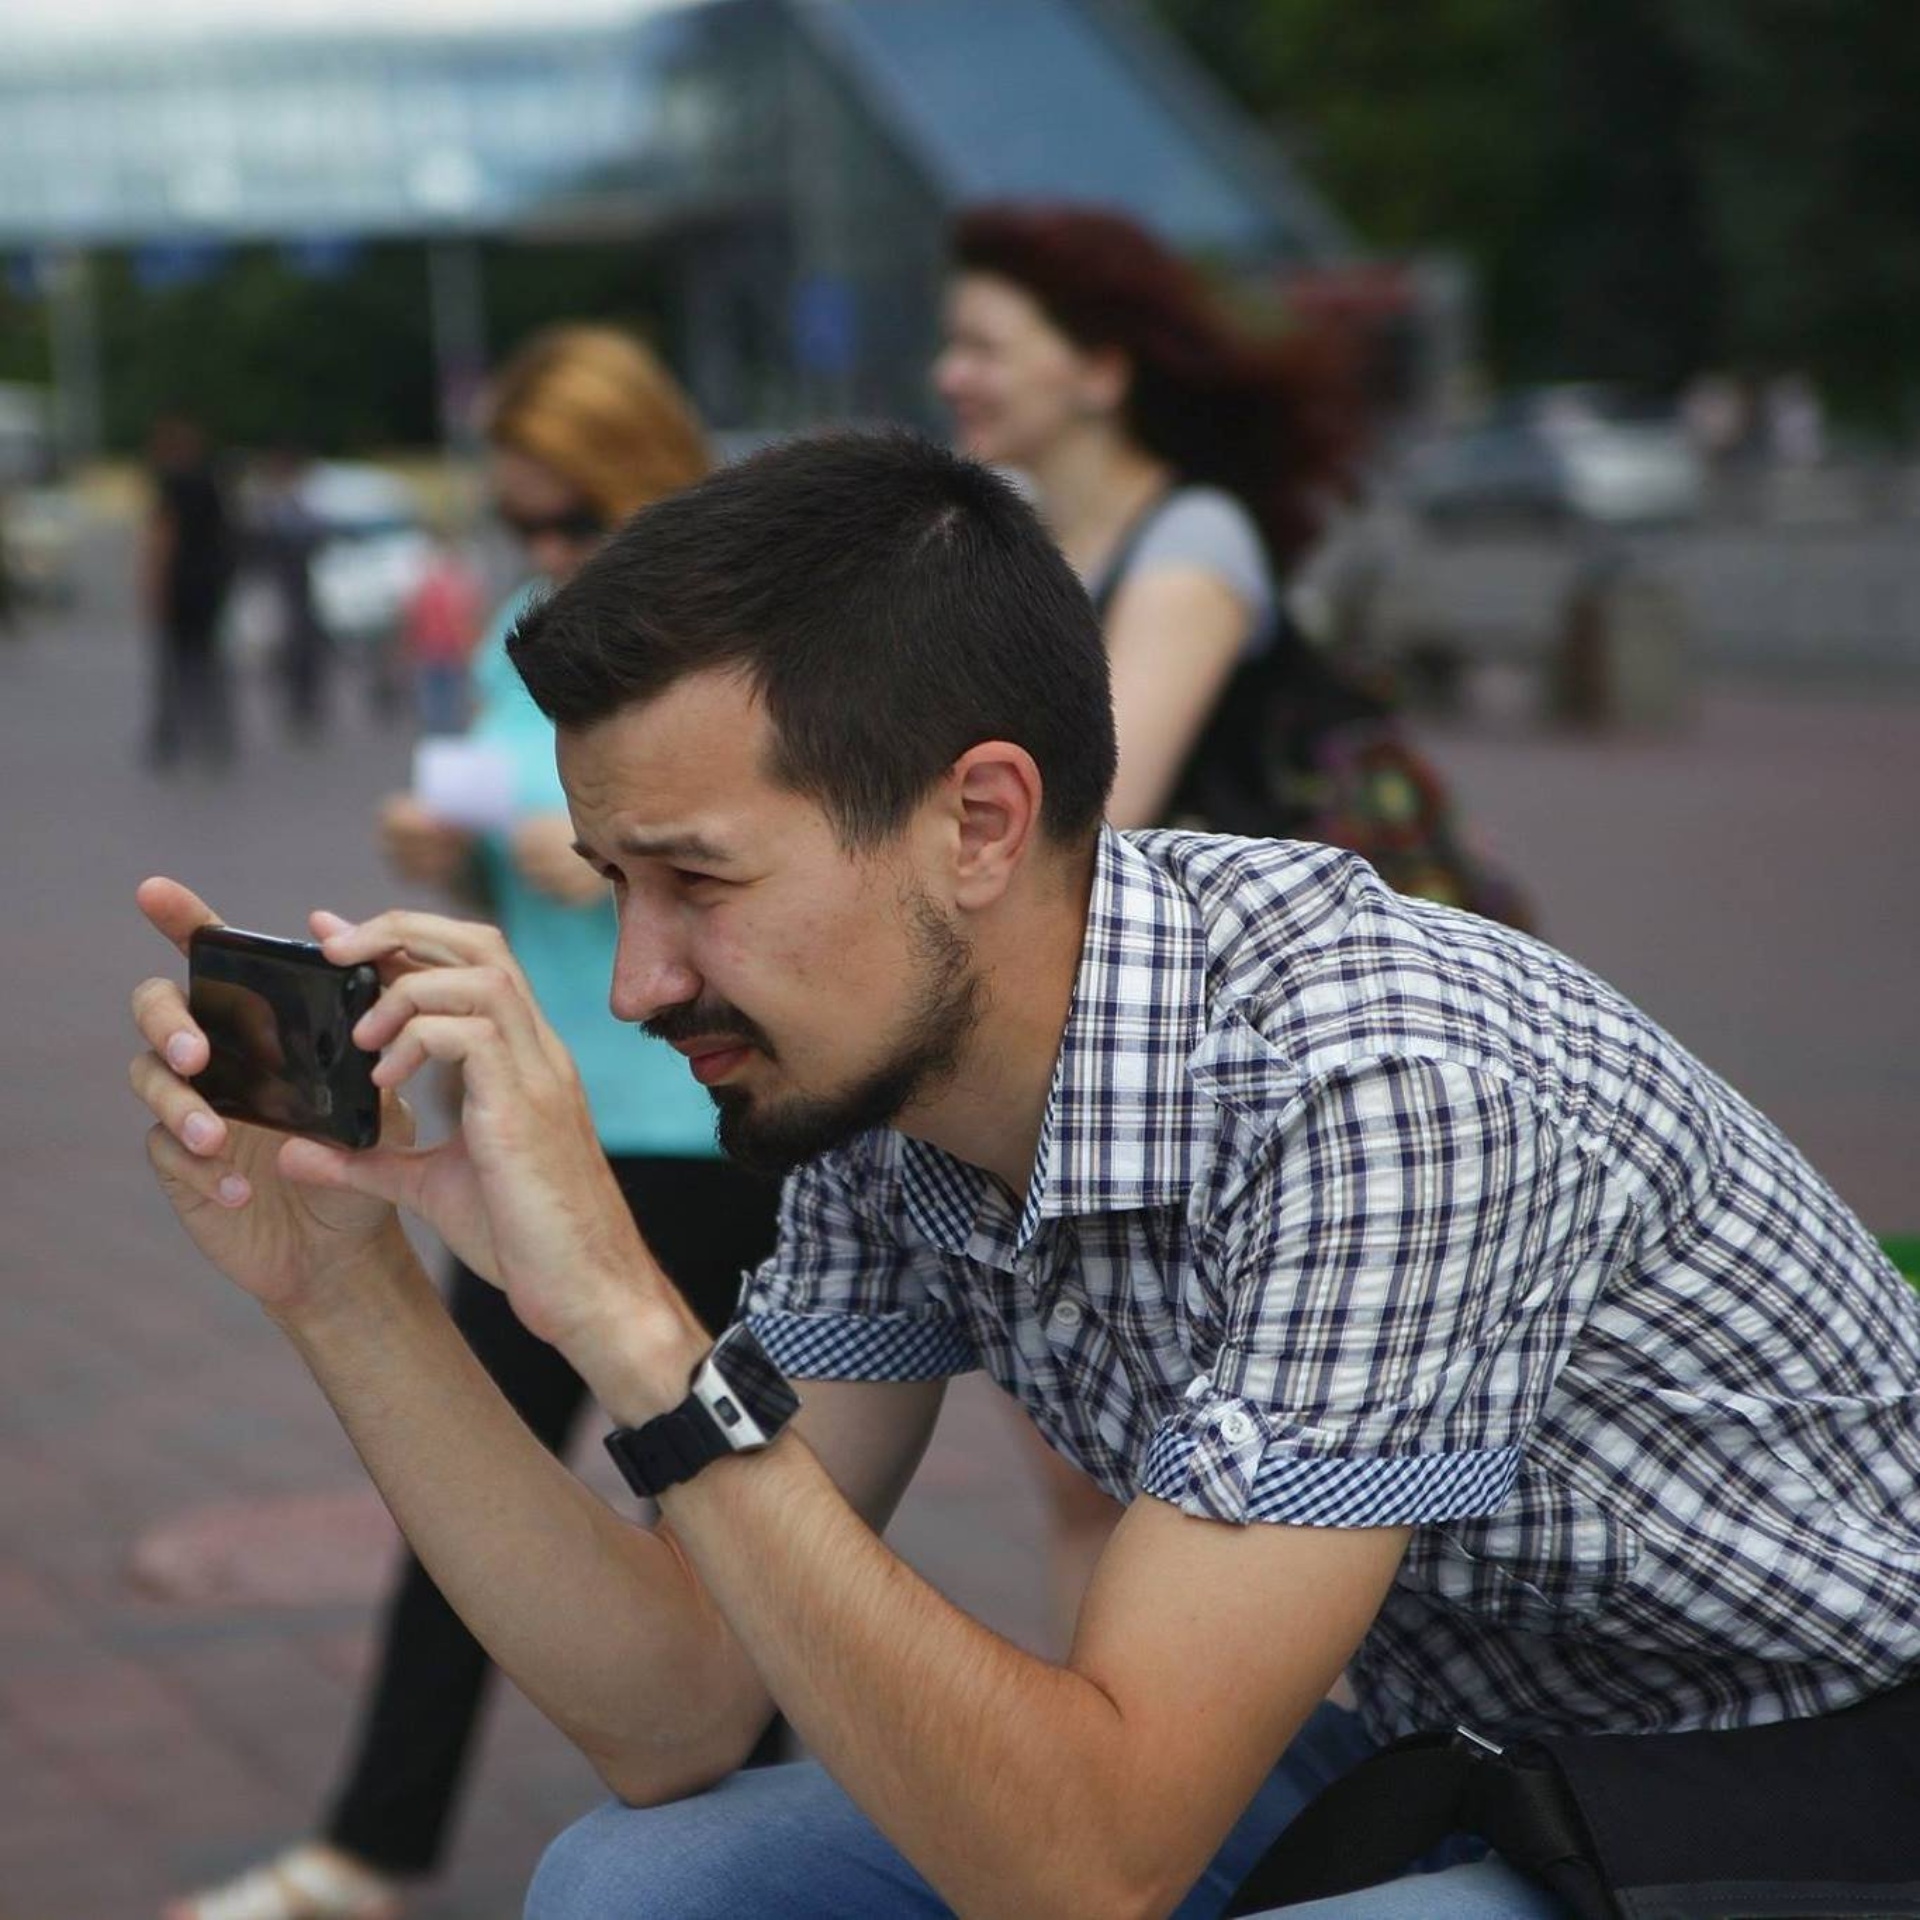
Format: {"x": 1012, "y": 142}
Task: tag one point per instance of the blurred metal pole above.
{"x": 74, "y": 332}
{"x": 457, "y": 310}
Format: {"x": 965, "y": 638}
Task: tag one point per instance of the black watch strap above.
{"x": 668, "y": 1449}
{"x": 737, "y": 1401}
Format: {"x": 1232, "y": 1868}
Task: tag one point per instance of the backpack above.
{"x": 1299, "y": 748}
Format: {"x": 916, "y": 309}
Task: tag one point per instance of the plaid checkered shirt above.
{"x": 1350, "y": 1210}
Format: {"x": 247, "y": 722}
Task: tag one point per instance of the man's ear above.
{"x": 994, "y": 794}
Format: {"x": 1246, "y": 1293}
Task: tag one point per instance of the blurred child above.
{"x": 439, "y": 630}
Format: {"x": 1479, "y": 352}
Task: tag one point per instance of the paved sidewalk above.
{"x": 1752, "y": 884}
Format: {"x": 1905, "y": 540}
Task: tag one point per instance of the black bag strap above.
{"x": 1374, "y": 1823}
{"x": 1120, "y": 561}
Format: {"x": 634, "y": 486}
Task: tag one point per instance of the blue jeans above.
{"x": 787, "y": 1841}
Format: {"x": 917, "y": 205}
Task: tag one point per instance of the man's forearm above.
{"x": 1002, "y": 1777}
{"x": 597, "y": 1620}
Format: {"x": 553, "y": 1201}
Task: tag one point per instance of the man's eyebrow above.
{"x": 669, "y": 846}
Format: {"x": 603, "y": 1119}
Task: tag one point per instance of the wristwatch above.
{"x": 738, "y": 1401}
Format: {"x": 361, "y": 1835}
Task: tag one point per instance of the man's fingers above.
{"x": 176, "y": 1106}
{"x": 391, "y": 1171}
{"x": 489, "y": 992}
{"x": 211, "y": 1180}
{"x": 468, "y": 1040}
{"x": 174, "y": 909}
{"x": 160, "y": 1013}
{"x": 430, "y": 938}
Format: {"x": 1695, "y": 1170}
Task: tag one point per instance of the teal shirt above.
{"x": 643, "y": 1098}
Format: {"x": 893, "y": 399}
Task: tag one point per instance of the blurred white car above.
{"x": 40, "y": 528}
{"x": 1574, "y": 453}
{"x": 39, "y": 520}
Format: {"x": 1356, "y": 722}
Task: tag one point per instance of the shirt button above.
{"x": 1236, "y": 1428}
{"x": 1066, "y": 1316}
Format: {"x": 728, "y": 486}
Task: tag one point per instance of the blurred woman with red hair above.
{"x": 1184, "y": 468}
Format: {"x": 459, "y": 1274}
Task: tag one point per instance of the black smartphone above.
{"x": 279, "y": 1018}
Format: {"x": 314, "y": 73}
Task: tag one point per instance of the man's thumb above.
{"x": 382, "y": 1173}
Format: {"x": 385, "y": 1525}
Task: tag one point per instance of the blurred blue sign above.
{"x": 162, "y": 266}
{"x": 321, "y": 256}
{"x": 26, "y": 276}
{"x": 825, "y": 324}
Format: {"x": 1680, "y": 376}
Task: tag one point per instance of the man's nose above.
{"x": 650, "y": 973}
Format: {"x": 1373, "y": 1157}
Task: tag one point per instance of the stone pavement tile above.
{"x": 202, "y": 1786}
{"x": 39, "y": 1492}
{"x": 134, "y": 1743}
{"x": 117, "y": 1883}
{"x": 273, "y": 1710}
{"x": 34, "y": 1614}
{"x": 170, "y": 1476}
{"x": 76, "y": 1555}
{"x": 43, "y": 1791}
{"x": 305, "y": 1550}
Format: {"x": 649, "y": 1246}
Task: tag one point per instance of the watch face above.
{"x": 744, "y": 1391}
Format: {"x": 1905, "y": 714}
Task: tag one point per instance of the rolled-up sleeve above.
{"x": 842, "y": 1297}
{"x": 1401, "y": 1281}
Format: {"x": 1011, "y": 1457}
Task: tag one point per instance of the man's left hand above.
{"x": 522, "y": 1192}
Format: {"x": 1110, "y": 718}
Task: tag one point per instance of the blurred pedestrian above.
{"x": 284, "y": 534}
{"x": 187, "y": 564}
{"x": 1187, "y": 471}
{"x": 1716, "y": 413}
{"x": 1182, "y": 467}
{"x": 1796, "y": 420}
{"x": 438, "y": 630}
{"x": 1179, "y": 466}
{"x": 584, "y": 427}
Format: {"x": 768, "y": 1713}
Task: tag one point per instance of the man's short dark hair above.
{"x": 893, "y": 604}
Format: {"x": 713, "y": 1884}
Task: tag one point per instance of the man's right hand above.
{"x": 276, "y": 1238}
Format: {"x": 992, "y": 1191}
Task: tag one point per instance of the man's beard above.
{"x": 774, "y": 1137}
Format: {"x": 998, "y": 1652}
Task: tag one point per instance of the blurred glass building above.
{"x": 789, "y": 164}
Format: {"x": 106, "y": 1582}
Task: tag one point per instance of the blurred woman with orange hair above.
{"x": 584, "y": 427}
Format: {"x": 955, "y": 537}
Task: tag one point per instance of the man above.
{"x": 285, "y": 535}
{"x": 187, "y": 566}
{"x": 1433, "y": 1310}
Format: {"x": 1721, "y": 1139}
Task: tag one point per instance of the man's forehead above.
{"x": 707, "y": 728}
{"x": 682, "y": 775}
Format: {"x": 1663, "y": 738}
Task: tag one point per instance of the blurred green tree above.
{"x": 267, "y": 354}
{"x": 1811, "y": 167}
{"x": 1642, "y": 187}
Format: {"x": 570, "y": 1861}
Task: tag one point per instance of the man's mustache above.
{"x": 707, "y": 1020}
